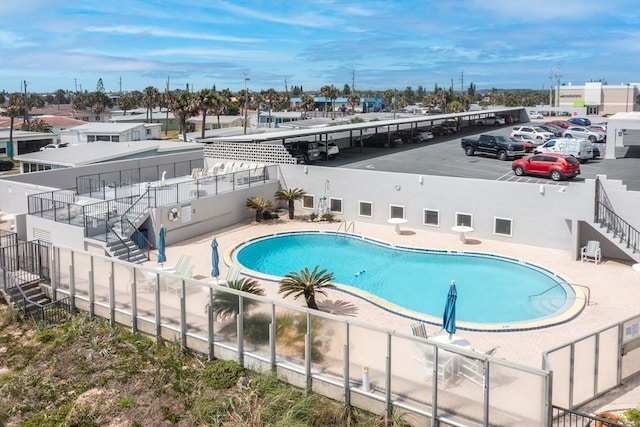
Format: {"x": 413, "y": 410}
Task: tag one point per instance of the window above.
{"x": 115, "y": 138}
{"x": 103, "y": 138}
{"x": 308, "y": 201}
{"x": 365, "y": 209}
{"x": 396, "y": 211}
{"x": 431, "y": 217}
{"x": 91, "y": 138}
{"x": 464, "y": 219}
{"x": 502, "y": 226}
{"x": 335, "y": 205}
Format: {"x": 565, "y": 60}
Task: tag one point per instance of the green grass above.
{"x": 86, "y": 373}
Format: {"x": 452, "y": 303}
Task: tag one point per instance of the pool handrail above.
{"x": 348, "y": 225}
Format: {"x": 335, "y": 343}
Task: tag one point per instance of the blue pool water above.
{"x": 491, "y": 289}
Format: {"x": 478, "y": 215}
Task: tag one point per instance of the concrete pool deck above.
{"x": 614, "y": 285}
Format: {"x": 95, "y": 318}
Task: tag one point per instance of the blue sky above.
{"x": 55, "y": 44}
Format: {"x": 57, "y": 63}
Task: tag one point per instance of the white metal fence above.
{"x": 594, "y": 364}
{"x": 363, "y": 365}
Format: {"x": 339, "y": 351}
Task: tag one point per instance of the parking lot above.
{"x": 444, "y": 156}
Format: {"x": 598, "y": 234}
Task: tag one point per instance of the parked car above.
{"x": 579, "y": 121}
{"x": 333, "y": 149}
{"x": 6, "y": 165}
{"x": 536, "y": 115}
{"x": 492, "y": 120}
{"x": 528, "y": 145}
{"x": 583, "y": 132}
{"x": 555, "y": 130}
{"x": 450, "y": 124}
{"x": 596, "y": 151}
{"x": 552, "y": 165}
{"x": 560, "y": 123}
{"x": 441, "y": 130}
{"x": 508, "y": 119}
{"x": 598, "y": 128}
{"x": 534, "y": 131}
{"x": 308, "y": 149}
{"x": 52, "y": 147}
{"x": 579, "y": 148}
{"x": 423, "y": 136}
{"x": 379, "y": 140}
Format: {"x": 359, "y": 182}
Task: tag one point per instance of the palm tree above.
{"x": 324, "y": 91}
{"x": 290, "y": 195}
{"x": 150, "y": 99}
{"x": 333, "y": 93}
{"x": 225, "y": 304}
{"x": 15, "y": 108}
{"x": 204, "y": 102}
{"x": 306, "y": 103}
{"x": 126, "y": 103}
{"x": 181, "y": 106}
{"x": 307, "y": 284}
{"x": 354, "y": 99}
{"x": 259, "y": 205}
{"x": 271, "y": 96}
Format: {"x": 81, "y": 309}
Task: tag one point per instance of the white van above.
{"x": 579, "y": 148}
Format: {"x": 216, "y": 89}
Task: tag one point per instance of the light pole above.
{"x": 246, "y": 97}
{"x": 626, "y": 107}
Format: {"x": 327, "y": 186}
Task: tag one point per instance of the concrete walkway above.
{"x": 614, "y": 286}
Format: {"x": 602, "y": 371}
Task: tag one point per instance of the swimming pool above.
{"x": 493, "y": 292}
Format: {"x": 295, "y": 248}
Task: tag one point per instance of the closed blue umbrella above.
{"x": 162, "y": 256}
{"x": 449, "y": 316}
{"x": 215, "y": 271}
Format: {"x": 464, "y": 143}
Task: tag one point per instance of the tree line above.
{"x": 185, "y": 104}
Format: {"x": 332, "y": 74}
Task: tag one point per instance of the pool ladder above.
{"x": 587, "y": 289}
{"x": 348, "y": 225}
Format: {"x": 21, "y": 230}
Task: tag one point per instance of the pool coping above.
{"x": 569, "y": 313}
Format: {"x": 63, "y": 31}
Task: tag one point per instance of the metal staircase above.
{"x": 613, "y": 227}
{"x": 122, "y": 247}
{"x": 122, "y": 232}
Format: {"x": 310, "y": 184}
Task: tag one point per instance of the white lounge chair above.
{"x": 591, "y": 252}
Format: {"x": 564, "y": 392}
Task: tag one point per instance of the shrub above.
{"x": 632, "y": 417}
{"x": 222, "y": 374}
{"x": 329, "y": 217}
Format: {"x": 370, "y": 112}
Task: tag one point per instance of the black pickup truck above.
{"x": 494, "y": 145}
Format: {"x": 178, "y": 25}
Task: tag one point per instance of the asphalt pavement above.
{"x": 444, "y": 156}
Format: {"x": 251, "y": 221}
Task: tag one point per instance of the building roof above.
{"x": 214, "y": 119}
{"x": 106, "y": 128}
{"x": 156, "y": 115}
{"x": 60, "y": 110}
{"x": 98, "y": 152}
{"x": 53, "y": 121}
{"x": 23, "y": 135}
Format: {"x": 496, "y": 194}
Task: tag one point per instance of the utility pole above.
{"x": 353, "y": 81}
{"x": 246, "y": 96}
{"x": 166, "y": 100}
{"x": 550, "y": 88}
{"x": 558, "y": 77}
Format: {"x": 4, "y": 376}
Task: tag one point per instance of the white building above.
{"x": 110, "y": 132}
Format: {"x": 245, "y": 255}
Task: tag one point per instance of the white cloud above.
{"x": 159, "y": 32}
{"x": 9, "y": 40}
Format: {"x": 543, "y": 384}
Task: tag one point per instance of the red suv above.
{"x": 553, "y": 165}
{"x": 560, "y": 123}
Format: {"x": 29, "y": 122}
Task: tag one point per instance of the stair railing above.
{"x": 137, "y": 208}
{"x": 138, "y": 235}
{"x": 606, "y": 217}
{"x": 620, "y": 228}
{"x": 113, "y": 232}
